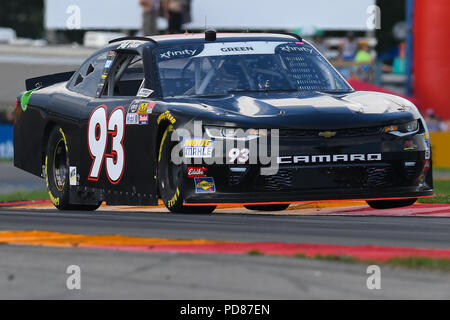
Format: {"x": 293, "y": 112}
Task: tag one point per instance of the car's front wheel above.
{"x": 57, "y": 173}
{"x": 170, "y": 179}
{"x": 391, "y": 204}
{"x": 268, "y": 207}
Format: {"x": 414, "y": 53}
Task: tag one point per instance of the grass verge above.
{"x": 417, "y": 263}
{"x": 255, "y": 253}
{"x": 24, "y": 195}
{"x": 441, "y": 191}
{"x": 422, "y": 263}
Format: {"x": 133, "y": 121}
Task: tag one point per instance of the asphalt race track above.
{"x": 39, "y": 272}
{"x": 229, "y": 224}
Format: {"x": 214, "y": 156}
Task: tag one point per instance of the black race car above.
{"x": 260, "y": 120}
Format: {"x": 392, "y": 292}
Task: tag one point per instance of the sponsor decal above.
{"x": 237, "y": 49}
{"x": 143, "y": 118}
{"x": 204, "y": 185}
{"x": 198, "y": 148}
{"x": 145, "y": 93}
{"x": 196, "y": 172}
{"x": 427, "y": 150}
{"x": 167, "y": 115}
{"x": 169, "y": 54}
{"x": 292, "y": 48}
{"x": 132, "y": 118}
{"x": 327, "y": 134}
{"x": 141, "y": 107}
{"x": 73, "y": 176}
{"x": 145, "y": 108}
{"x": 134, "y": 106}
{"x": 108, "y": 64}
{"x": 409, "y": 145}
{"x": 336, "y": 158}
{"x": 129, "y": 45}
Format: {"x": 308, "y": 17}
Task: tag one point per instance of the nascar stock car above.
{"x": 117, "y": 129}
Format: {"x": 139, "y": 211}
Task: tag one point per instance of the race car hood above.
{"x": 310, "y": 110}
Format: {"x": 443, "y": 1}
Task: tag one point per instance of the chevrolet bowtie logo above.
{"x": 327, "y": 134}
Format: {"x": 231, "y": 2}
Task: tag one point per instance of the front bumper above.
{"x": 404, "y": 171}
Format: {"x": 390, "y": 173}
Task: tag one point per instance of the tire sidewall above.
{"x": 171, "y": 196}
{"x": 59, "y": 198}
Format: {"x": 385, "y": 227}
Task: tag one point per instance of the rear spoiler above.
{"x": 48, "y": 80}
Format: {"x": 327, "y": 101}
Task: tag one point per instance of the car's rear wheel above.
{"x": 57, "y": 173}
{"x": 391, "y": 204}
{"x": 170, "y": 179}
{"x": 268, "y": 207}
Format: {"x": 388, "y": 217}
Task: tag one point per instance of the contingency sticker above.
{"x": 145, "y": 107}
{"x": 198, "y": 148}
{"x": 145, "y": 93}
{"x": 141, "y": 107}
{"x": 73, "y": 176}
{"x": 132, "y": 118}
{"x": 196, "y": 172}
{"x": 109, "y": 61}
{"x": 143, "y": 118}
{"x": 204, "y": 185}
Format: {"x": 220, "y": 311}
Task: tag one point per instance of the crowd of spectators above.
{"x": 176, "y": 12}
{"x": 436, "y": 123}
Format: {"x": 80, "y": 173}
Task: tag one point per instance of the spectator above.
{"x": 363, "y": 69}
{"x": 363, "y": 55}
{"x": 432, "y": 121}
{"x": 176, "y": 12}
{"x": 348, "y": 49}
{"x": 441, "y": 124}
{"x": 399, "y": 66}
{"x": 150, "y": 13}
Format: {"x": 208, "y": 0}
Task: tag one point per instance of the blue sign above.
{"x": 6, "y": 141}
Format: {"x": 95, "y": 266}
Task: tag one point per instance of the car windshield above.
{"x": 233, "y": 67}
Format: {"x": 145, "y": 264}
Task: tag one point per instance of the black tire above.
{"x": 57, "y": 173}
{"x": 391, "y": 204}
{"x": 268, "y": 207}
{"x": 170, "y": 179}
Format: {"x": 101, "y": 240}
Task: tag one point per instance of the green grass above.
{"x": 441, "y": 169}
{"x": 417, "y": 263}
{"x": 441, "y": 191}
{"x": 25, "y": 195}
{"x": 255, "y": 253}
{"x": 347, "y": 259}
{"x": 421, "y": 263}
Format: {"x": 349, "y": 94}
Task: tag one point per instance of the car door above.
{"x": 117, "y": 162}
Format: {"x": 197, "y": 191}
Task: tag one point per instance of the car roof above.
{"x": 195, "y": 38}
